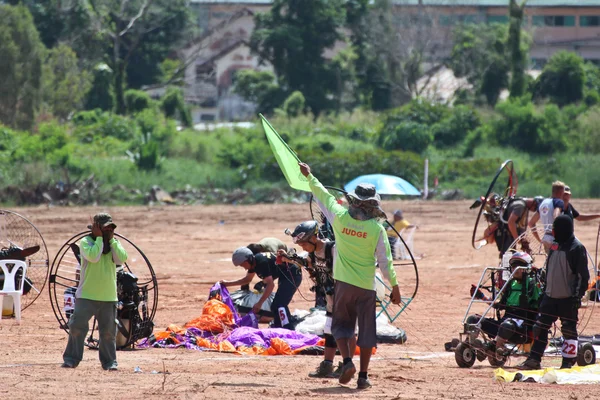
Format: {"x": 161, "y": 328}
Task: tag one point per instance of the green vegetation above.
{"x": 72, "y": 112}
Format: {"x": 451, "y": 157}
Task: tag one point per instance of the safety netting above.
{"x": 220, "y": 328}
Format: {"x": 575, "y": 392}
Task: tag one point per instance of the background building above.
{"x": 221, "y": 50}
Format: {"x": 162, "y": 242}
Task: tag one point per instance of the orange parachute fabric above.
{"x": 176, "y": 329}
{"x": 215, "y": 317}
{"x": 207, "y": 344}
{"x": 162, "y": 335}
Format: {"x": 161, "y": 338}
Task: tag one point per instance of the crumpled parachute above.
{"x": 220, "y": 328}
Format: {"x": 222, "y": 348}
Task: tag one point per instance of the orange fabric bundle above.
{"x": 203, "y": 342}
{"x": 252, "y": 351}
{"x": 278, "y": 348}
{"x": 226, "y": 347}
{"x": 215, "y": 317}
{"x": 162, "y": 335}
{"x": 176, "y": 329}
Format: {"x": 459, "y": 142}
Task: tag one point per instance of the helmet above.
{"x": 520, "y": 259}
{"x": 304, "y": 231}
{"x": 538, "y": 200}
{"x": 241, "y": 255}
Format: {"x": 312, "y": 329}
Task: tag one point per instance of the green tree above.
{"x": 408, "y": 136}
{"x": 68, "y": 22}
{"x": 140, "y": 34}
{"x": 173, "y": 105}
{"x": 261, "y": 88}
{"x": 137, "y": 101}
{"x": 479, "y": 54}
{"x": 293, "y": 36}
{"x": 523, "y": 127}
{"x": 65, "y": 85}
{"x": 517, "y": 50}
{"x": 592, "y": 84}
{"x": 400, "y": 54}
{"x": 357, "y": 12}
{"x": 102, "y": 94}
{"x": 455, "y": 128}
{"x": 21, "y": 53}
{"x": 294, "y": 104}
{"x": 562, "y": 79}
{"x": 347, "y": 94}
{"x": 410, "y": 126}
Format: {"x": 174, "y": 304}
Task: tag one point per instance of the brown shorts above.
{"x": 351, "y": 303}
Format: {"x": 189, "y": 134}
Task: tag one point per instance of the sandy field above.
{"x": 190, "y": 250}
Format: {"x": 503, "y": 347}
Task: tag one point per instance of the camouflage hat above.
{"x": 104, "y": 220}
{"x": 365, "y": 192}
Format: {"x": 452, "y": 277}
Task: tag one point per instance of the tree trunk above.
{"x": 120, "y": 107}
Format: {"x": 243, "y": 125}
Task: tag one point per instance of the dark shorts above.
{"x": 352, "y": 304}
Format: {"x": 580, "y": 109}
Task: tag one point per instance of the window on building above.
{"x": 589, "y": 20}
{"x": 206, "y": 73}
{"x": 500, "y": 19}
{"x": 410, "y": 20}
{"x": 538, "y": 63}
{"x": 553, "y": 20}
{"x": 448, "y": 20}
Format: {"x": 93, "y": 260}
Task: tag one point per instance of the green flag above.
{"x": 286, "y": 158}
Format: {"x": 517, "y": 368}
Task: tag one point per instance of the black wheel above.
{"x": 586, "y": 355}
{"x": 464, "y": 355}
{"x": 497, "y": 360}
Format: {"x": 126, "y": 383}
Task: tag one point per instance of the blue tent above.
{"x": 385, "y": 184}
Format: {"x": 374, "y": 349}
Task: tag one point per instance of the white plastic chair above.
{"x": 408, "y": 235}
{"x": 8, "y": 288}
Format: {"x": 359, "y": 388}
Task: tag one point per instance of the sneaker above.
{"x": 348, "y": 371}
{"x": 567, "y": 363}
{"x": 530, "y": 364}
{"x": 67, "y": 365}
{"x": 324, "y": 370}
{"x": 112, "y": 368}
{"x": 338, "y": 371}
{"x": 363, "y": 383}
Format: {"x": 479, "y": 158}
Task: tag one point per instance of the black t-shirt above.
{"x": 265, "y": 266}
{"x": 571, "y": 211}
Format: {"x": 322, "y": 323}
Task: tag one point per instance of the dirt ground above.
{"x": 190, "y": 250}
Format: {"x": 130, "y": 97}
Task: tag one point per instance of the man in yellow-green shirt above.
{"x": 96, "y": 294}
{"x": 361, "y": 244}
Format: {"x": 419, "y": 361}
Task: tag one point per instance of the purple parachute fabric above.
{"x": 225, "y": 298}
{"x": 244, "y": 333}
{"x": 248, "y": 337}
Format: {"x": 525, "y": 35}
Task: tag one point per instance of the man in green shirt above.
{"x": 96, "y": 294}
{"x": 362, "y": 244}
